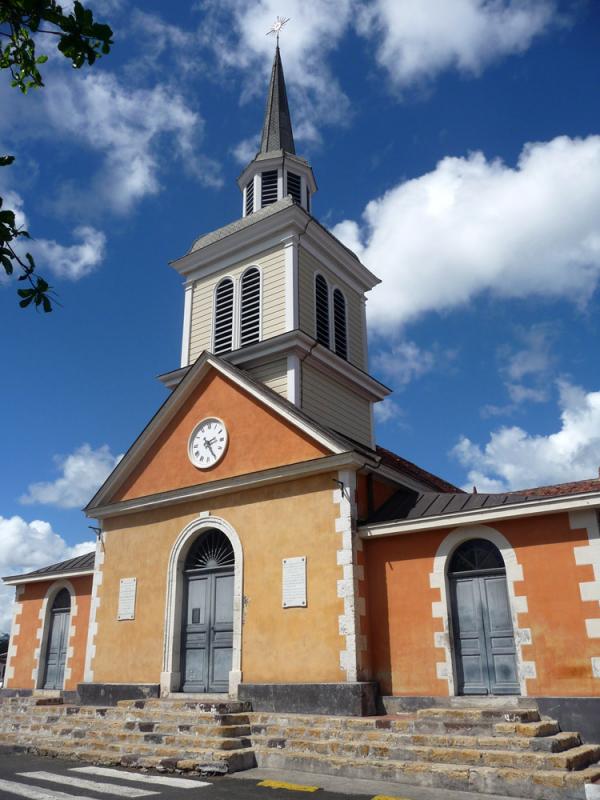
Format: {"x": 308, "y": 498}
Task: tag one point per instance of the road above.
{"x": 37, "y": 778}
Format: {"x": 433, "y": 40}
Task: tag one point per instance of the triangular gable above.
{"x": 265, "y": 431}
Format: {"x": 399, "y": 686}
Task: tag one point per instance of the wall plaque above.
{"x": 127, "y": 589}
{"x": 294, "y": 582}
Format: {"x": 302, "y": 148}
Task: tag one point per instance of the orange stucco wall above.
{"x": 403, "y": 656}
{"x": 296, "y": 518}
{"x": 258, "y": 439}
{"x": 31, "y": 599}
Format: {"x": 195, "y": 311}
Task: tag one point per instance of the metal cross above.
{"x": 277, "y": 26}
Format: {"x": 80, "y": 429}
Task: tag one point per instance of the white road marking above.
{"x": 159, "y": 780}
{"x": 91, "y": 786}
{"x": 33, "y": 793}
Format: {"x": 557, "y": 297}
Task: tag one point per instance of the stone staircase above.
{"x": 211, "y": 738}
{"x": 499, "y": 749}
{"x": 507, "y": 751}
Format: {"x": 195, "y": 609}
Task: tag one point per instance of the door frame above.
{"x": 438, "y": 579}
{"x": 171, "y": 677}
{"x": 43, "y": 634}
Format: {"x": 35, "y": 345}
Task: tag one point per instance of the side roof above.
{"x": 72, "y": 566}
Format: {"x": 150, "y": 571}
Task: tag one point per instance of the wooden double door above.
{"x": 484, "y": 642}
{"x": 58, "y": 641}
{"x": 208, "y": 631}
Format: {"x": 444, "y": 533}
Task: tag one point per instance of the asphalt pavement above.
{"x": 41, "y": 778}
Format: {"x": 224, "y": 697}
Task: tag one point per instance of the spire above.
{"x": 277, "y": 127}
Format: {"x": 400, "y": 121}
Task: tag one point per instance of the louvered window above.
{"x": 223, "y": 339}
{"x": 250, "y": 197}
{"x": 322, "y": 310}
{"x": 294, "y": 187}
{"x": 210, "y": 551}
{"x": 308, "y": 199}
{"x": 268, "y": 192}
{"x": 250, "y": 307}
{"x": 339, "y": 324}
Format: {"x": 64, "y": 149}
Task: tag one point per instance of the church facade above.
{"x": 257, "y": 542}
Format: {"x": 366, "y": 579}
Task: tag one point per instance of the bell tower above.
{"x": 277, "y": 295}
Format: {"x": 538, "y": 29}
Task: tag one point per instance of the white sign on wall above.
{"x": 294, "y": 582}
{"x": 127, "y": 589}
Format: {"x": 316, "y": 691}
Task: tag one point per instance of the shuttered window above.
{"x": 294, "y": 187}
{"x": 223, "y": 338}
{"x": 340, "y": 337}
{"x": 250, "y": 307}
{"x": 322, "y": 310}
{"x": 268, "y": 193}
{"x": 250, "y": 197}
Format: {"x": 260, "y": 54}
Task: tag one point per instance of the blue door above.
{"x": 207, "y": 635}
{"x": 484, "y": 644}
{"x": 58, "y": 640}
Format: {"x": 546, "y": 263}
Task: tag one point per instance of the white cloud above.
{"x": 387, "y": 410}
{"x": 25, "y": 546}
{"x": 83, "y": 472}
{"x": 64, "y": 261}
{"x": 472, "y": 226}
{"x": 244, "y": 151}
{"x": 417, "y": 39}
{"x": 236, "y": 29}
{"x": 404, "y": 362}
{"x": 515, "y": 459}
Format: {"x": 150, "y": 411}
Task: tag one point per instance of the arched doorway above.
{"x": 207, "y": 631}
{"x": 58, "y": 641}
{"x": 484, "y": 642}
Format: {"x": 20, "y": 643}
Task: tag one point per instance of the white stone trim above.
{"x": 15, "y": 630}
{"x": 347, "y": 587}
{"x": 170, "y": 678}
{"x": 90, "y": 649}
{"x": 187, "y": 324}
{"x": 48, "y": 576}
{"x": 43, "y": 632}
{"x": 438, "y": 579}
{"x": 589, "y": 554}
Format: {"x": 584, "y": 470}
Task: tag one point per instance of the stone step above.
{"x": 135, "y": 739}
{"x": 480, "y": 714}
{"x": 208, "y": 705}
{"x": 66, "y": 725}
{"x": 576, "y": 758}
{"x": 536, "y": 785}
{"x": 555, "y": 744}
{"x": 545, "y": 727}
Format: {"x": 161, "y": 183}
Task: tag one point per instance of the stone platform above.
{"x": 495, "y": 748}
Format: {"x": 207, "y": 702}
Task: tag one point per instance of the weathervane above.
{"x": 277, "y": 26}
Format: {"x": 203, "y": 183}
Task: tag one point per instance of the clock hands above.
{"x": 208, "y": 443}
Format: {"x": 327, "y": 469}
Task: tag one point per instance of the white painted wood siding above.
{"x": 273, "y": 375}
{"x": 335, "y": 406}
{"x": 272, "y": 266}
{"x": 307, "y": 267}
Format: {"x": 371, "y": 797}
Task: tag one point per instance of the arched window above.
{"x": 322, "y": 310}
{"x": 476, "y": 555}
{"x": 250, "y": 307}
{"x": 223, "y": 332}
{"x": 62, "y": 601}
{"x": 340, "y": 337}
{"x": 210, "y": 551}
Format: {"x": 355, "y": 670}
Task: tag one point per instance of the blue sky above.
{"x": 456, "y": 147}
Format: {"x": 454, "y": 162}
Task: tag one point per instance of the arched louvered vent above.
{"x": 475, "y": 555}
{"x": 210, "y": 551}
{"x": 250, "y": 197}
{"x": 294, "y": 187}
{"x": 223, "y": 339}
{"x": 250, "y": 307}
{"x": 62, "y": 601}
{"x": 339, "y": 324}
{"x": 322, "y": 310}
{"x": 268, "y": 192}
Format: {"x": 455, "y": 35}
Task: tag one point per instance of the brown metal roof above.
{"x": 84, "y": 563}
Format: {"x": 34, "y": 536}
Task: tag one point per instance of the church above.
{"x": 257, "y": 543}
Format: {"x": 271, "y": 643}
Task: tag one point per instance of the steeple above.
{"x": 277, "y": 127}
{"x": 276, "y": 171}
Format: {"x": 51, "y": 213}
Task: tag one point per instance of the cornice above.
{"x": 49, "y": 576}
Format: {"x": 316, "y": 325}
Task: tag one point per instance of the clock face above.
{"x": 207, "y": 443}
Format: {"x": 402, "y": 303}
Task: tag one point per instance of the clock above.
{"x": 207, "y": 443}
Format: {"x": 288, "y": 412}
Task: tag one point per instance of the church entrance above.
{"x": 58, "y": 640}
{"x": 484, "y": 642}
{"x": 207, "y": 635}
